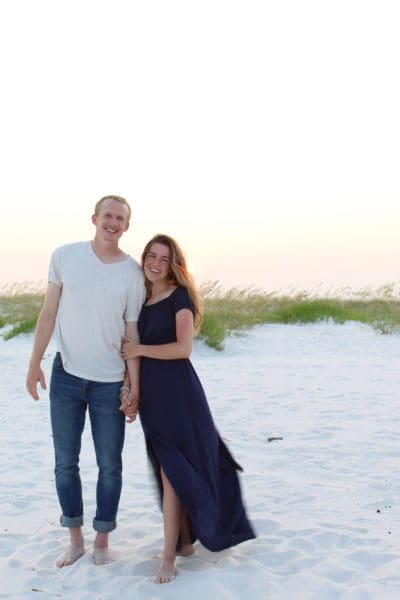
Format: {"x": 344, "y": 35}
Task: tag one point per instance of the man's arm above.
{"x": 44, "y": 330}
{"x": 131, "y": 400}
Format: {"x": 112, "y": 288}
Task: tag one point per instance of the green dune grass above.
{"x": 234, "y": 310}
{"x": 239, "y": 309}
{"x": 19, "y": 310}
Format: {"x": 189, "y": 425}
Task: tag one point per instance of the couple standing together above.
{"x": 98, "y": 297}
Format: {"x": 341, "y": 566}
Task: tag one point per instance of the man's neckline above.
{"x": 124, "y": 256}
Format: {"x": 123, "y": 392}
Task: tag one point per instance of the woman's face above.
{"x": 156, "y": 263}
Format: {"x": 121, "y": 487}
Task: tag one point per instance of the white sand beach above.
{"x": 324, "y": 499}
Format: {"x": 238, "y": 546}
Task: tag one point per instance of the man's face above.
{"x": 112, "y": 220}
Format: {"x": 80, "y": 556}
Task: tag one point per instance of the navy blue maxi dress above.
{"x": 182, "y": 438}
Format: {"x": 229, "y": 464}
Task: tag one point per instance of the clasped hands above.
{"x": 129, "y": 403}
{"x": 129, "y": 397}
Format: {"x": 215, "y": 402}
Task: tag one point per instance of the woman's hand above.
{"x": 129, "y": 348}
{"x": 129, "y": 403}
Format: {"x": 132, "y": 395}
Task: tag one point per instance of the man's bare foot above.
{"x": 102, "y": 555}
{"x": 71, "y": 555}
{"x": 166, "y": 572}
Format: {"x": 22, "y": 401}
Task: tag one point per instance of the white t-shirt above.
{"x": 97, "y": 299}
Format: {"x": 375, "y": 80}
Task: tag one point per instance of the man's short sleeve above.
{"x": 55, "y": 267}
{"x": 136, "y": 297}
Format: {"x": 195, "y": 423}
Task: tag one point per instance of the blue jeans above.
{"x": 69, "y": 398}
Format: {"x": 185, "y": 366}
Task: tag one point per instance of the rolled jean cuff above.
{"x": 104, "y": 526}
{"x": 71, "y": 521}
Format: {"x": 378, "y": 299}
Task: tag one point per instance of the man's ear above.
{"x": 94, "y": 219}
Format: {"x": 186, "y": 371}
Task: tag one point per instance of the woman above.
{"x": 195, "y": 471}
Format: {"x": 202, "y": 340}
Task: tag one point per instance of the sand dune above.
{"x": 324, "y": 499}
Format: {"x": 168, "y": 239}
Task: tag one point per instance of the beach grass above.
{"x": 20, "y": 304}
{"x": 236, "y": 309}
{"x": 227, "y": 311}
{"x": 25, "y": 326}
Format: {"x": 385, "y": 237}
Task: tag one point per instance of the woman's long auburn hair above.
{"x": 178, "y": 275}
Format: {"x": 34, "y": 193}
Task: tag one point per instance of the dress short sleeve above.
{"x": 182, "y": 300}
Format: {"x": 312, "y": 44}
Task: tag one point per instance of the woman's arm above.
{"x": 182, "y": 348}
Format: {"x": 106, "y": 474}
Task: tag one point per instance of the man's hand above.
{"x": 35, "y": 375}
{"x": 129, "y": 403}
{"x": 43, "y": 332}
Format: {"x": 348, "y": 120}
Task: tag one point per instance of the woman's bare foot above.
{"x": 166, "y": 572}
{"x": 102, "y": 555}
{"x": 72, "y": 553}
{"x": 186, "y": 550}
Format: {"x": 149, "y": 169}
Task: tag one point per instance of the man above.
{"x": 94, "y": 296}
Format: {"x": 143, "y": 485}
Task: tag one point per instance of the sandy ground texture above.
{"x": 324, "y": 499}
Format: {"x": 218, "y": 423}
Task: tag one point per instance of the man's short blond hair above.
{"x": 117, "y": 199}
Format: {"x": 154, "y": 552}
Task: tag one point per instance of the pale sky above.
{"x": 263, "y": 135}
